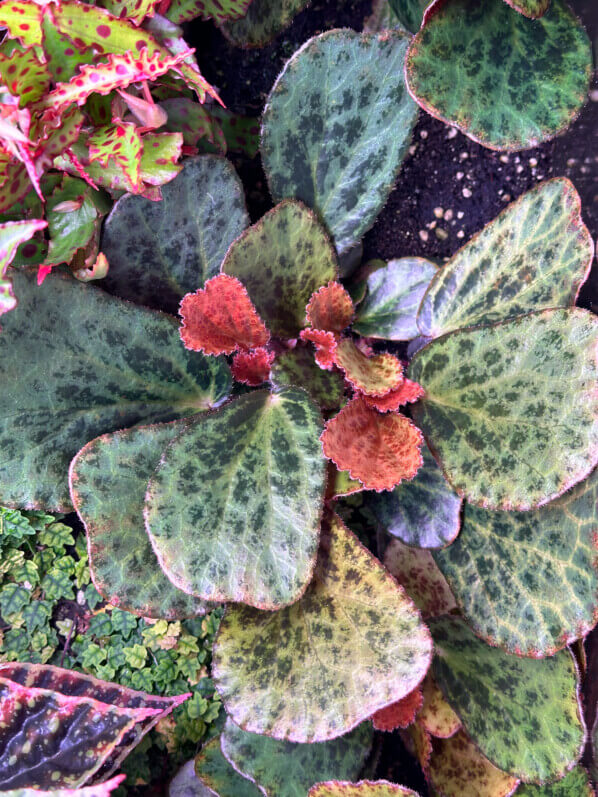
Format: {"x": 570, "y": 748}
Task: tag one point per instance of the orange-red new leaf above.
{"x": 407, "y": 392}
{"x": 330, "y": 308}
{"x": 375, "y": 376}
{"x": 400, "y": 714}
{"x": 252, "y": 367}
{"x": 325, "y": 344}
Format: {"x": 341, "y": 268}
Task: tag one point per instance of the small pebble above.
{"x": 460, "y": 214}
{"x": 466, "y": 193}
{"x": 460, "y": 175}
{"x": 460, "y": 234}
{"x": 423, "y": 133}
{"x": 448, "y": 215}
{"x": 439, "y": 212}
{"x": 423, "y": 234}
{"x": 533, "y": 162}
{"x": 441, "y": 234}
{"x": 452, "y": 132}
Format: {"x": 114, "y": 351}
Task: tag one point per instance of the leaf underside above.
{"x": 436, "y": 716}
{"x": 416, "y": 571}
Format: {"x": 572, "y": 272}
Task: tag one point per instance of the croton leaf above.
{"x": 181, "y": 11}
{"x": 254, "y": 467}
{"x": 23, "y": 74}
{"x": 73, "y": 213}
{"x": 336, "y": 128}
{"x": 23, "y": 20}
{"x": 504, "y": 80}
{"x": 527, "y": 581}
{"x": 308, "y": 672}
{"x": 63, "y": 57}
{"x": 252, "y": 367}
{"x": 297, "y": 367}
{"x": 52, "y": 738}
{"x": 134, "y": 10}
{"x": 406, "y": 393}
{"x": 523, "y": 714}
{"x": 286, "y": 769}
{"x": 121, "y": 144}
{"x": 458, "y": 769}
{"x": 264, "y": 20}
{"x": 399, "y": 714}
{"x": 282, "y": 260}
{"x": 220, "y": 318}
{"x": 424, "y": 512}
{"x": 575, "y": 784}
{"x": 99, "y": 790}
{"x": 12, "y": 235}
{"x": 409, "y": 12}
{"x": 394, "y": 293}
{"x": 77, "y": 363}
{"x": 374, "y": 376}
{"x": 416, "y": 571}
{"x": 325, "y": 344}
{"x": 242, "y": 133}
{"x": 511, "y": 409}
{"x": 436, "y": 716}
{"x": 535, "y": 254}
{"x": 330, "y": 308}
{"x": 215, "y": 772}
{"x": 365, "y": 788}
{"x": 530, "y": 8}
{"x": 159, "y": 159}
{"x": 378, "y": 449}
{"x": 108, "y": 481}
{"x": 195, "y": 122}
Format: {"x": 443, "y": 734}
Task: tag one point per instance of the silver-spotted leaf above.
{"x": 108, "y": 481}
{"x": 504, "y": 80}
{"x": 159, "y": 251}
{"x": 365, "y": 788}
{"x": 264, "y": 20}
{"x": 281, "y": 261}
{"x": 523, "y": 714}
{"x": 336, "y": 128}
{"x": 288, "y": 769}
{"x": 527, "y": 581}
{"x": 76, "y": 363}
{"x": 394, "y": 293}
{"x": 219, "y": 776}
{"x": 297, "y": 367}
{"x": 575, "y": 784}
{"x": 511, "y": 409}
{"x": 353, "y": 644}
{"x": 535, "y": 254}
{"x": 424, "y": 512}
{"x": 233, "y": 509}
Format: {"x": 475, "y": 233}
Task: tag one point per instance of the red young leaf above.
{"x": 330, "y": 308}
{"x": 253, "y": 367}
{"x": 375, "y": 376}
{"x": 220, "y": 318}
{"x": 379, "y": 450}
{"x": 407, "y": 392}
{"x": 400, "y": 714}
{"x": 325, "y": 343}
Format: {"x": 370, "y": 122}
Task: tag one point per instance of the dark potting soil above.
{"x": 449, "y": 187}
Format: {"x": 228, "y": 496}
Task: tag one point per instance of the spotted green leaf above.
{"x": 365, "y": 788}
{"x": 108, "y": 480}
{"x": 353, "y": 644}
{"x": 424, "y": 512}
{"x": 523, "y": 714}
{"x": 264, "y": 20}
{"x": 530, "y": 8}
{"x": 281, "y": 261}
{"x": 394, "y": 293}
{"x": 287, "y": 769}
{"x": 22, "y": 72}
{"x": 535, "y": 254}
{"x": 218, "y": 775}
{"x": 159, "y": 251}
{"x": 409, "y": 12}
{"x": 77, "y": 363}
{"x": 181, "y": 11}
{"x": 504, "y": 80}
{"x": 527, "y": 581}
{"x": 574, "y": 784}
{"x": 336, "y": 128}
{"x": 511, "y": 409}
{"x": 233, "y": 509}
{"x": 298, "y": 367}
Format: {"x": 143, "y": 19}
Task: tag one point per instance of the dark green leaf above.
{"x": 264, "y": 20}
{"x": 298, "y": 368}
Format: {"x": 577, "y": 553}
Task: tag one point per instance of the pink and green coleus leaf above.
{"x": 23, "y": 74}
{"x": 515, "y": 96}
{"x": 523, "y": 714}
{"x": 241, "y": 133}
{"x": 108, "y": 480}
{"x": 307, "y": 673}
{"x": 286, "y": 769}
{"x": 158, "y": 251}
{"x": 254, "y": 466}
{"x": 416, "y": 571}
{"x": 535, "y": 254}
{"x": 297, "y": 367}
{"x": 102, "y": 364}
{"x": 99, "y": 790}
{"x": 364, "y": 788}
{"x": 281, "y": 261}
{"x": 221, "y": 11}
{"x": 219, "y": 776}
{"x": 159, "y": 159}
{"x": 12, "y": 235}
{"x": 511, "y": 409}
{"x": 264, "y": 20}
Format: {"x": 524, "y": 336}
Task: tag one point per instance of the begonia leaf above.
{"x": 23, "y": 20}
{"x": 530, "y": 8}
{"x": 121, "y": 144}
{"x": 99, "y": 790}
{"x": 511, "y": 409}
{"x": 134, "y": 10}
{"x": 312, "y": 671}
{"x": 252, "y": 367}
{"x": 218, "y": 775}
{"x": 458, "y": 769}
{"x": 394, "y": 293}
{"x": 253, "y": 468}
{"x": 535, "y": 254}
{"x": 282, "y": 260}
{"x": 374, "y": 376}
{"x": 325, "y": 344}
{"x": 527, "y": 581}
{"x": 416, "y": 571}
{"x": 365, "y": 788}
{"x": 406, "y": 393}
{"x": 409, "y": 12}
{"x": 378, "y": 449}
{"x": 336, "y": 128}
{"x": 330, "y": 308}
{"x": 24, "y": 75}
{"x": 220, "y": 318}
{"x": 297, "y": 367}
{"x": 504, "y": 80}
{"x": 287, "y": 769}
{"x": 436, "y": 716}
{"x": 264, "y": 20}
{"x": 108, "y": 481}
{"x": 77, "y": 363}
{"x": 424, "y": 512}
{"x": 523, "y": 714}
{"x": 400, "y": 714}
{"x": 575, "y": 784}
{"x": 181, "y": 11}
{"x": 71, "y": 227}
